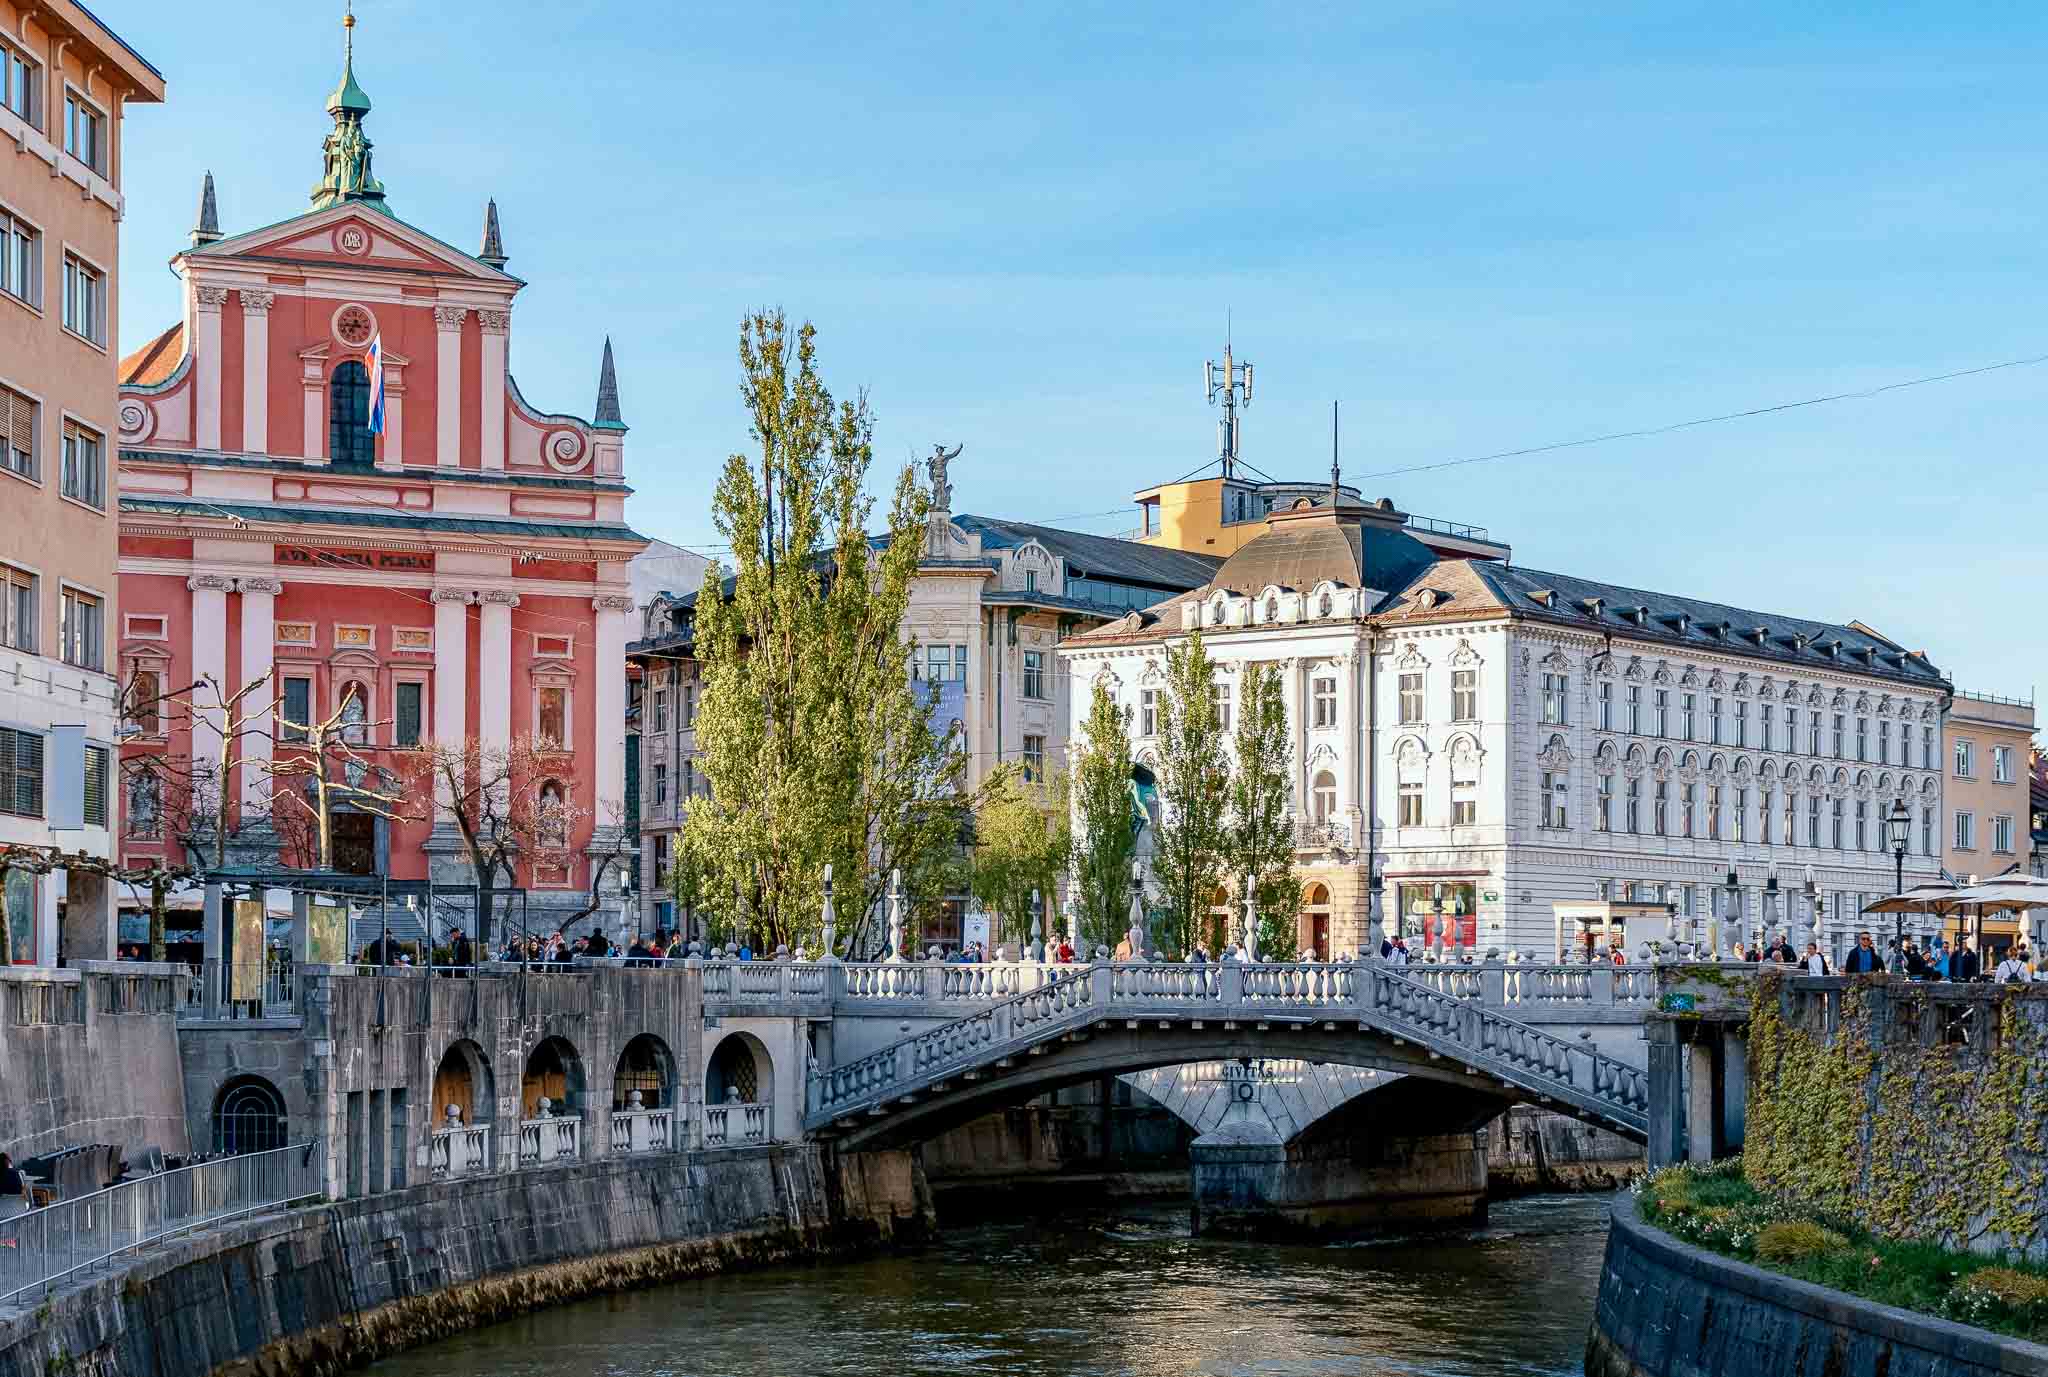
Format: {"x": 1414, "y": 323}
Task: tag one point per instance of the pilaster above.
{"x": 448, "y": 384}
{"x": 494, "y": 669}
{"x": 610, "y": 706}
{"x": 495, "y": 326}
{"x": 259, "y": 637}
{"x": 209, "y": 661}
{"x": 207, "y": 304}
{"x": 256, "y": 370}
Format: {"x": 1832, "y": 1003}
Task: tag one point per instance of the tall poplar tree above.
{"x": 1261, "y": 832}
{"x": 815, "y": 745}
{"x": 1022, "y": 838}
{"x": 1107, "y": 827}
{"x": 1187, "y": 855}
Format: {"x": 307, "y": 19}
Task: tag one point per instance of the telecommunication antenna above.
{"x": 1233, "y": 385}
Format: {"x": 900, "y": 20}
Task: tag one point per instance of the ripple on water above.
{"x": 1114, "y": 1293}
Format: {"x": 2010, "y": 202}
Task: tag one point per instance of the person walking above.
{"x": 1816, "y": 964}
{"x": 1965, "y": 965}
{"x": 1863, "y": 960}
{"x": 2013, "y": 970}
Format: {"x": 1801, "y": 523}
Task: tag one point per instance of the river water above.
{"x": 1118, "y": 1292}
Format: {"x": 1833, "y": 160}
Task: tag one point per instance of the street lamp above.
{"x": 1813, "y": 907}
{"x": 1436, "y": 895}
{"x": 1771, "y": 902}
{"x": 1895, "y": 825}
{"x": 1736, "y": 916}
{"x": 1374, "y": 911}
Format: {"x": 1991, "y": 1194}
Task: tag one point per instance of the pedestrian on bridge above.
{"x": 1863, "y": 960}
{"x": 1816, "y": 964}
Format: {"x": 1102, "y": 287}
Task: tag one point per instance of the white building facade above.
{"x": 1521, "y": 740}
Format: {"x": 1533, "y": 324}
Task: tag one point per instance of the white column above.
{"x": 448, "y": 385}
{"x": 494, "y": 670}
{"x": 207, "y": 303}
{"x": 610, "y": 705}
{"x": 451, "y": 679}
{"x": 492, "y": 370}
{"x": 259, "y": 640}
{"x": 256, "y": 370}
{"x": 209, "y": 659}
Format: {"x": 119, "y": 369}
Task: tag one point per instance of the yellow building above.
{"x": 1987, "y": 744}
{"x": 1213, "y": 516}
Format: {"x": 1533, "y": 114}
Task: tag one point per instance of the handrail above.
{"x": 69, "y": 1238}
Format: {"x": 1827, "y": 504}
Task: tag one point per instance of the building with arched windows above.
{"x": 331, "y": 483}
{"x": 1494, "y": 742}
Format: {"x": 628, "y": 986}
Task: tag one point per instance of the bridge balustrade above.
{"x": 738, "y": 1125}
{"x": 464, "y": 1151}
{"x": 642, "y": 1130}
{"x": 542, "y": 1141}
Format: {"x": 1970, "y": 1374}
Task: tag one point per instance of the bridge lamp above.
{"x": 1896, "y": 823}
{"x": 1813, "y": 903}
{"x": 1771, "y": 900}
{"x": 1436, "y": 895}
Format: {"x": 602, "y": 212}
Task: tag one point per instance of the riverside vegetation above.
{"x": 1714, "y": 1207}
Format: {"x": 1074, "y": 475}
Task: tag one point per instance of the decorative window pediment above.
{"x": 1411, "y": 658}
{"x": 1555, "y": 755}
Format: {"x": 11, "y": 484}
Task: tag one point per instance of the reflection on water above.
{"x": 1114, "y": 1291}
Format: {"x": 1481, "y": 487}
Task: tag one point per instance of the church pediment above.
{"x": 350, "y": 236}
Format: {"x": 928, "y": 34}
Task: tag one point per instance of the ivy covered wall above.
{"x": 1917, "y": 1111}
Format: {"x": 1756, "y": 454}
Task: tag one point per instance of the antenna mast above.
{"x": 1232, "y": 384}
{"x": 1335, "y": 472}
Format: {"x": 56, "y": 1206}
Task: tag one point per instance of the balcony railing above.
{"x": 1310, "y": 834}
{"x": 548, "y": 1139}
{"x": 642, "y": 1130}
{"x": 738, "y": 1125}
{"x": 460, "y": 1151}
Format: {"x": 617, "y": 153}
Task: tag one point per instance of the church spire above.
{"x": 608, "y": 417}
{"x": 206, "y": 230}
{"x": 347, "y": 175}
{"x": 493, "y": 251}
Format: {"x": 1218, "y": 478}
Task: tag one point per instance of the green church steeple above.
{"x": 348, "y": 176}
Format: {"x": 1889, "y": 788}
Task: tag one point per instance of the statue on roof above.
{"x": 942, "y": 491}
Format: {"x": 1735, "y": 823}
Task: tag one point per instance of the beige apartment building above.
{"x": 66, "y": 81}
{"x": 1989, "y": 743}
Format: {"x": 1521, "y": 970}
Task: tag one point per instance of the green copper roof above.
{"x": 346, "y": 173}
{"x": 349, "y": 96}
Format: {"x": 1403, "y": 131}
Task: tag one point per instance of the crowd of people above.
{"x": 1937, "y": 960}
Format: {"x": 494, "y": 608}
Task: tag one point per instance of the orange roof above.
{"x": 156, "y": 360}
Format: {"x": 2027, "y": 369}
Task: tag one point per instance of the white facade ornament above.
{"x": 1555, "y": 755}
{"x": 1634, "y": 672}
{"x": 1557, "y": 661}
{"x": 1411, "y": 658}
{"x": 1464, "y": 656}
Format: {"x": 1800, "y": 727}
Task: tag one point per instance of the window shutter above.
{"x": 408, "y": 714}
{"x": 96, "y": 786}
{"x": 7, "y": 735}
{"x": 21, "y": 421}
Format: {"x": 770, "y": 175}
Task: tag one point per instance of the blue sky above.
{"x": 1481, "y": 226}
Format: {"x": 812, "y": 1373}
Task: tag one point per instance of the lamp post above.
{"x": 1436, "y": 897}
{"x": 1813, "y": 907}
{"x": 1736, "y": 917}
{"x": 1376, "y": 888}
{"x": 1671, "y": 921}
{"x": 1895, "y": 824}
{"x": 1771, "y": 902}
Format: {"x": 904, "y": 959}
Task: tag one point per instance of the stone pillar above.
{"x": 494, "y": 670}
{"x": 89, "y": 932}
{"x": 210, "y": 953}
{"x": 448, "y": 385}
{"x": 256, "y": 370}
{"x": 1734, "y": 1088}
{"x": 209, "y": 659}
{"x": 1666, "y": 1083}
{"x": 207, "y": 303}
{"x": 259, "y": 643}
{"x": 610, "y": 705}
{"x": 495, "y": 325}
{"x": 393, "y": 455}
{"x": 451, "y": 665}
{"x": 1702, "y": 1102}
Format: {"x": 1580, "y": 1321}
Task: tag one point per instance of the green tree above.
{"x": 1022, "y": 838}
{"x": 1187, "y": 854}
{"x": 1260, "y": 836}
{"x": 815, "y": 744}
{"x": 1107, "y": 831}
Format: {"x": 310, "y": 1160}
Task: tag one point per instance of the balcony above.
{"x": 738, "y": 1125}
{"x": 637, "y": 1130}
{"x": 462, "y": 1150}
{"x": 1329, "y": 835}
{"x": 547, "y": 1139}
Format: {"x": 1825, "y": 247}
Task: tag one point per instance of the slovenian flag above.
{"x": 377, "y": 384}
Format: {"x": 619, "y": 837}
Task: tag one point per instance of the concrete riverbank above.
{"x": 326, "y": 1289}
{"x": 1668, "y": 1309}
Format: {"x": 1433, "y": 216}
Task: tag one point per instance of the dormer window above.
{"x": 1543, "y": 597}
{"x": 1593, "y": 606}
{"x": 1761, "y": 635}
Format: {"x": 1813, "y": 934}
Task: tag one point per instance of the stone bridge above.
{"x": 901, "y": 1052}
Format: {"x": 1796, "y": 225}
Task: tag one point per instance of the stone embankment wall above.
{"x": 1529, "y": 1150}
{"x": 321, "y": 1290}
{"x": 1858, "y": 1088}
{"x": 91, "y": 1057}
{"x": 1668, "y": 1309}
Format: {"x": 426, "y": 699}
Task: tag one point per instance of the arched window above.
{"x": 1323, "y": 795}
{"x": 348, "y": 415}
{"x": 248, "y": 1116}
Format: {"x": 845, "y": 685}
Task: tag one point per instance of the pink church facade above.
{"x": 463, "y": 573}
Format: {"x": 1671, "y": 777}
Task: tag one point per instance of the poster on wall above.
{"x": 245, "y": 979}
{"x": 326, "y": 934}
{"x": 975, "y": 929}
{"x": 18, "y": 894}
{"x": 949, "y": 710}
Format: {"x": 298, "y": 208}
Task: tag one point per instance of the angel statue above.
{"x": 942, "y": 491}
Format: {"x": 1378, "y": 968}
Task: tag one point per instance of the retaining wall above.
{"x": 1668, "y": 1309}
{"x": 325, "y": 1289}
{"x": 91, "y": 1056}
